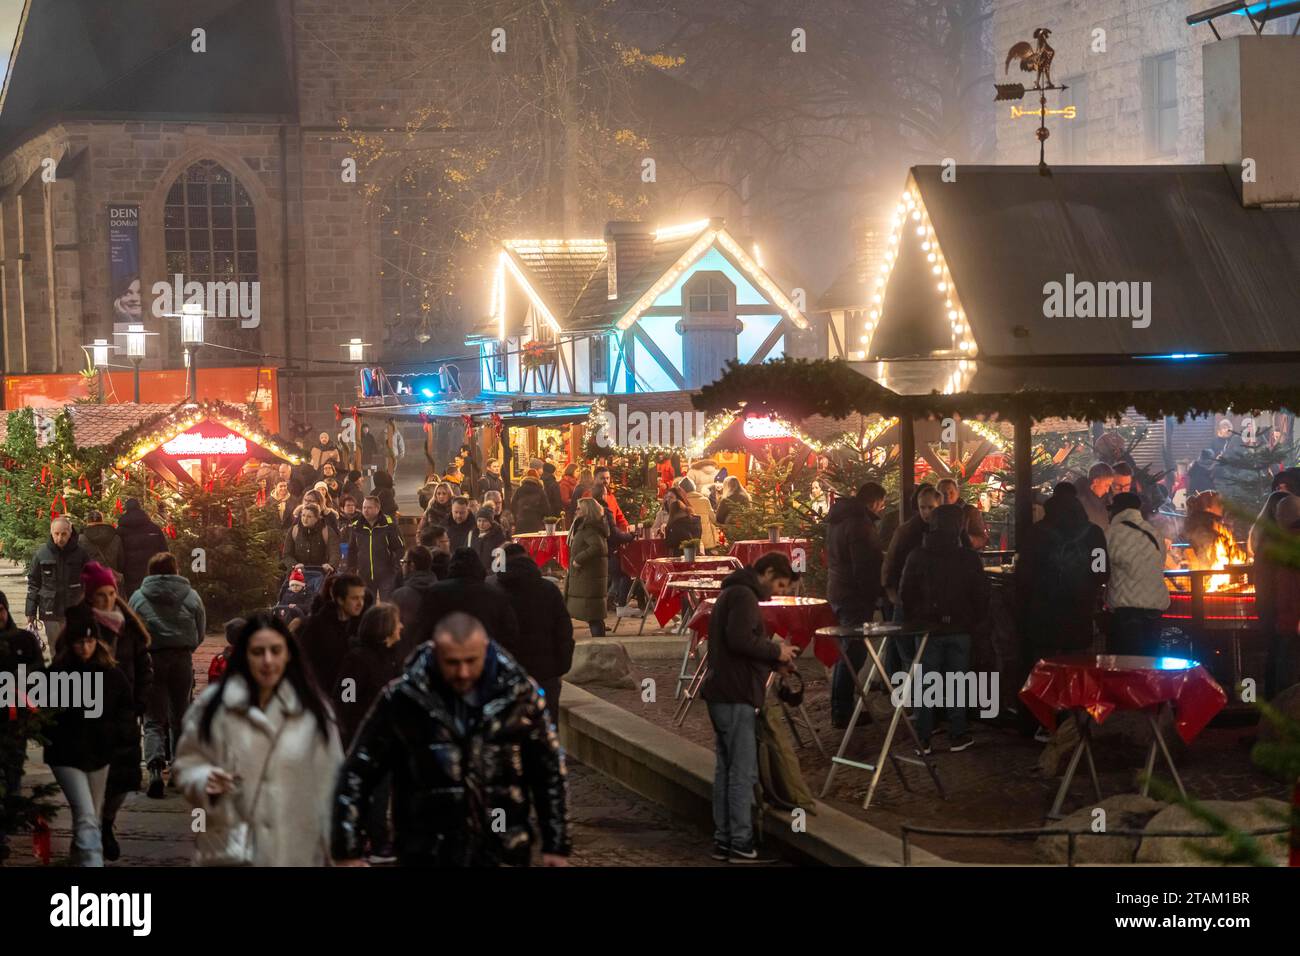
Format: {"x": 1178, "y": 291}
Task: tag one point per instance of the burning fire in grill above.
{"x": 1225, "y": 554}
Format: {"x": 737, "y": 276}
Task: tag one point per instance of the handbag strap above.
{"x": 266, "y": 764}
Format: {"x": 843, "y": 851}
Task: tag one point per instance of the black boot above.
{"x": 111, "y": 849}
{"x": 155, "y": 790}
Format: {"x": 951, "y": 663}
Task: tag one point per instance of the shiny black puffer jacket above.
{"x": 447, "y": 785}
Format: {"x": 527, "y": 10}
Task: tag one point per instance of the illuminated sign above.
{"x": 766, "y": 429}
{"x": 191, "y": 445}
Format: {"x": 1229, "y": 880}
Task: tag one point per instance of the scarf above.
{"x": 110, "y": 620}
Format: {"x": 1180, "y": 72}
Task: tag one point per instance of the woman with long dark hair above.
{"x": 265, "y": 720}
{"x": 82, "y": 744}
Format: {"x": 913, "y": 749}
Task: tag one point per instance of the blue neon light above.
{"x": 1174, "y": 664}
{"x": 1183, "y": 356}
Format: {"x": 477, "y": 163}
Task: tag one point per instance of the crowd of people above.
{"x": 402, "y": 684}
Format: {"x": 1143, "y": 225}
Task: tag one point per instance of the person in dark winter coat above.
{"x": 177, "y": 622}
{"x": 418, "y": 576}
{"x": 741, "y": 657}
{"x": 311, "y": 543}
{"x": 102, "y": 542}
{"x": 554, "y": 497}
{"x": 129, "y": 641}
{"x": 82, "y": 744}
{"x": 465, "y": 589}
{"x": 1058, "y": 583}
{"x": 529, "y": 505}
{"x": 326, "y": 635}
{"x": 487, "y": 535}
{"x": 490, "y": 480}
{"x": 854, "y": 559}
{"x": 587, "y": 582}
{"x": 375, "y": 549}
{"x": 453, "y": 768}
{"x": 944, "y": 588}
{"x": 141, "y": 540}
{"x": 18, "y": 648}
{"x": 907, "y": 539}
{"x": 460, "y": 524}
{"x": 54, "y": 580}
{"x": 683, "y": 525}
{"x": 544, "y": 646}
{"x": 386, "y": 494}
{"x": 373, "y": 659}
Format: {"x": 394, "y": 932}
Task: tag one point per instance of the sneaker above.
{"x": 155, "y": 791}
{"x": 924, "y": 750}
{"x": 963, "y": 742}
{"x": 721, "y": 852}
{"x": 628, "y": 610}
{"x": 749, "y": 856}
{"x": 112, "y": 851}
{"x": 1042, "y": 735}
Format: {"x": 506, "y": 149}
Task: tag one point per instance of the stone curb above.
{"x": 678, "y": 775}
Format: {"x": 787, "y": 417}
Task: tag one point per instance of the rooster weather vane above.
{"x": 1036, "y": 60}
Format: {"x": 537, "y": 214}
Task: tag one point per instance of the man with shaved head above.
{"x": 54, "y": 580}
{"x": 470, "y": 749}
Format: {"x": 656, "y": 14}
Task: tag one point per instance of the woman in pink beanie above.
{"x": 129, "y": 640}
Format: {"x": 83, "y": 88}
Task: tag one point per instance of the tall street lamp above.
{"x": 191, "y": 316}
{"x": 136, "y": 338}
{"x": 97, "y": 351}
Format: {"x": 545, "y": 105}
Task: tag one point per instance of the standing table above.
{"x": 655, "y": 572}
{"x": 543, "y": 547}
{"x": 865, "y": 633}
{"x": 1092, "y": 687}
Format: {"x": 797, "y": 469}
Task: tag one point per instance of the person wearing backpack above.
{"x": 944, "y": 589}
{"x": 1058, "y": 578}
{"x": 854, "y": 558}
{"x": 1136, "y": 592}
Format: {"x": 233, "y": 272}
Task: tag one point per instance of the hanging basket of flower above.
{"x": 537, "y": 355}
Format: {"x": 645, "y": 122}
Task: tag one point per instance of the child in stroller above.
{"x": 297, "y": 592}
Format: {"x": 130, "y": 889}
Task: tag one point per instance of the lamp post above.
{"x": 191, "y": 317}
{"x": 356, "y": 349}
{"x": 135, "y": 353}
{"x": 98, "y": 351}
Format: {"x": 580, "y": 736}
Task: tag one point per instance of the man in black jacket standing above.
{"x": 460, "y": 523}
{"x": 854, "y": 557}
{"x": 741, "y": 657}
{"x": 945, "y": 589}
{"x": 544, "y": 645}
{"x": 375, "y": 549}
{"x": 54, "y": 580}
{"x": 141, "y": 540}
{"x": 463, "y": 782}
{"x": 325, "y": 635}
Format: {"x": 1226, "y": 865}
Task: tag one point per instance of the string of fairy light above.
{"x": 171, "y": 426}
{"x": 911, "y": 218}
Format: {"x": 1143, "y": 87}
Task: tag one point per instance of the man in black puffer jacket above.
{"x": 54, "y": 580}
{"x": 464, "y": 734}
{"x": 945, "y": 589}
{"x": 854, "y": 557}
{"x": 141, "y": 540}
{"x": 544, "y": 646}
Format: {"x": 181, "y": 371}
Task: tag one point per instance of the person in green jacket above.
{"x": 588, "y": 578}
{"x": 173, "y": 612}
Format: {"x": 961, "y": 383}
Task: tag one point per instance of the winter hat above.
{"x": 95, "y": 576}
{"x": 297, "y": 575}
{"x": 1125, "y": 501}
{"x": 486, "y": 513}
{"x": 548, "y": 469}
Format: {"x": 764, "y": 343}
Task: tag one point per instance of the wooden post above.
{"x": 1023, "y": 451}
{"x": 51, "y": 280}
{"x": 906, "y": 464}
{"x": 507, "y": 464}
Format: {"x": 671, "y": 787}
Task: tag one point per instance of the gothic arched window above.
{"x": 210, "y": 235}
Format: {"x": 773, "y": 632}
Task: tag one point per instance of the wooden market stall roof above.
{"x": 95, "y": 425}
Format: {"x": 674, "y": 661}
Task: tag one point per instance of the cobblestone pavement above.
{"x": 994, "y": 785}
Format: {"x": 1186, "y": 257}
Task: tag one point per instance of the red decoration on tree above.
{"x": 497, "y": 425}
{"x": 469, "y": 428}
{"x": 117, "y": 505}
{"x": 230, "y": 518}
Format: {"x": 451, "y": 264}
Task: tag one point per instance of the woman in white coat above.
{"x": 260, "y": 756}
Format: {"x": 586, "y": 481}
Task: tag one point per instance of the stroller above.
{"x": 292, "y": 605}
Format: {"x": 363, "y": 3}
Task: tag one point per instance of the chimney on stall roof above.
{"x": 629, "y": 245}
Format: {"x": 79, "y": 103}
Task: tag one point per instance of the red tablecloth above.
{"x": 1101, "y": 684}
{"x": 750, "y": 551}
{"x": 669, "y": 602}
{"x": 636, "y": 553}
{"x": 543, "y": 547}
{"x": 656, "y": 570}
{"x": 794, "y": 618}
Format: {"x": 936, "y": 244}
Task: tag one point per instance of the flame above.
{"x": 1226, "y": 553}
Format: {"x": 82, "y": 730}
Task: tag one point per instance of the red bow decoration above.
{"x": 338, "y": 413}
{"x": 230, "y": 518}
{"x": 261, "y": 496}
{"x": 469, "y": 428}
{"x": 170, "y": 530}
{"x": 497, "y": 424}
{"x": 117, "y": 505}
{"x": 426, "y": 424}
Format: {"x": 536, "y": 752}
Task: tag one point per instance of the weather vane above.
{"x": 1036, "y": 60}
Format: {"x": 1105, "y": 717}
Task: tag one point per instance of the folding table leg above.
{"x": 861, "y": 688}
{"x": 900, "y": 714}
{"x": 692, "y": 689}
{"x": 1155, "y": 728}
{"x": 812, "y": 729}
{"x": 1064, "y": 788}
{"x": 682, "y": 676}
